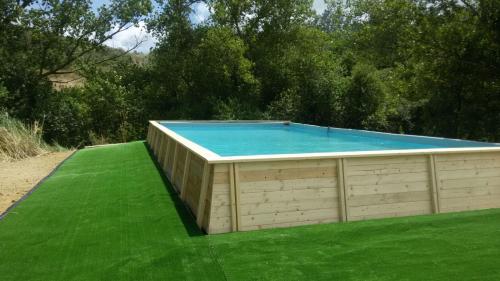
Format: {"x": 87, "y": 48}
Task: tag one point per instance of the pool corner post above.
{"x": 341, "y": 190}
{"x": 237, "y": 195}
{"x": 200, "y": 211}
{"x": 434, "y": 184}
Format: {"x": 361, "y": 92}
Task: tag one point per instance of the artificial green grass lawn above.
{"x": 107, "y": 214}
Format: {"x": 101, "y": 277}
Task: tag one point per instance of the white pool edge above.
{"x": 213, "y": 158}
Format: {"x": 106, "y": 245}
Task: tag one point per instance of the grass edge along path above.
{"x": 108, "y": 214}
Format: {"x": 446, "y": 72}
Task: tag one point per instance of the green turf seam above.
{"x": 213, "y": 253}
{"x": 34, "y": 188}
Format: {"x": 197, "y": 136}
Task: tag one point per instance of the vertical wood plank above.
{"x": 236, "y": 171}
{"x": 156, "y": 141}
{"x": 232, "y": 195}
{"x": 434, "y": 184}
{"x": 166, "y": 163}
{"x": 341, "y": 189}
{"x": 345, "y": 178}
{"x": 203, "y": 194}
{"x": 174, "y": 163}
{"x": 438, "y": 182}
{"x": 185, "y": 176}
{"x": 152, "y": 143}
{"x": 161, "y": 149}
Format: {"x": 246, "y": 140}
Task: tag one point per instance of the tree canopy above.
{"x": 427, "y": 67}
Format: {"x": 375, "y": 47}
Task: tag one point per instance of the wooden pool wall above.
{"x": 228, "y": 194}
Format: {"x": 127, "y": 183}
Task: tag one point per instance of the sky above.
{"x": 129, "y": 37}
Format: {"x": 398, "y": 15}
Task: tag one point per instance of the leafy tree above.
{"x": 172, "y": 59}
{"x": 364, "y": 99}
{"x": 221, "y": 74}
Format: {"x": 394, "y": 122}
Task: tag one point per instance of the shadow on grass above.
{"x": 186, "y": 217}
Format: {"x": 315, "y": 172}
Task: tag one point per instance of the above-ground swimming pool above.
{"x": 241, "y": 139}
{"x": 237, "y": 176}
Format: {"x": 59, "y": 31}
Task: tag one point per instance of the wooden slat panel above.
{"x": 388, "y": 186}
{"x": 287, "y": 192}
{"x": 221, "y": 203}
{"x": 469, "y": 181}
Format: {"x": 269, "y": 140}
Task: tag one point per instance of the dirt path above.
{"x": 18, "y": 177}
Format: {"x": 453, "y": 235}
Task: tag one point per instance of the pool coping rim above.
{"x": 213, "y": 158}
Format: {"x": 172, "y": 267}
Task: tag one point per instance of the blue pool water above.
{"x": 239, "y": 139}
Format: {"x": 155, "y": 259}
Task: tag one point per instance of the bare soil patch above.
{"x": 19, "y": 177}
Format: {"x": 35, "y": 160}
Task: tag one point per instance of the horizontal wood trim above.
{"x": 289, "y": 217}
{"x": 388, "y": 188}
{"x": 289, "y": 224}
{"x": 289, "y": 195}
{"x": 282, "y": 185}
{"x": 393, "y": 208}
{"x": 289, "y": 206}
{"x": 388, "y": 198}
{"x": 287, "y": 174}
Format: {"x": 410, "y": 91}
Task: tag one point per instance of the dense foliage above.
{"x": 412, "y": 66}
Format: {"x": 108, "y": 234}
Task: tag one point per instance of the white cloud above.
{"x": 319, "y": 6}
{"x": 130, "y": 37}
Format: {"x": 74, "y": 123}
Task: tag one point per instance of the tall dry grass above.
{"x": 19, "y": 140}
